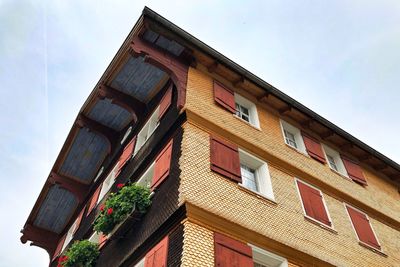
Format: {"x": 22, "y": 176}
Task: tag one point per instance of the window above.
{"x": 70, "y": 235}
{"x": 246, "y": 110}
{"x": 98, "y": 239}
{"x": 292, "y": 136}
{"x": 263, "y": 258}
{"x": 334, "y": 160}
{"x": 313, "y": 203}
{"x": 363, "y": 228}
{"x": 290, "y": 140}
{"x": 108, "y": 182}
{"x": 127, "y": 133}
{"x": 146, "y": 178}
{"x": 255, "y": 175}
{"x": 140, "y": 263}
{"x": 147, "y": 130}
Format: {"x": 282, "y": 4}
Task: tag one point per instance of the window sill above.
{"x": 258, "y": 194}
{"x": 298, "y": 151}
{"x": 320, "y": 224}
{"x": 248, "y": 123}
{"x": 340, "y": 174}
{"x": 380, "y": 252}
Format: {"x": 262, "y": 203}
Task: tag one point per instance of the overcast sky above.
{"x": 339, "y": 58}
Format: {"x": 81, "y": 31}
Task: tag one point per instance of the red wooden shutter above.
{"x": 126, "y": 155}
{"x": 231, "y": 253}
{"x": 354, "y": 170}
{"x": 314, "y": 148}
{"x": 224, "y": 97}
{"x": 165, "y": 102}
{"x": 157, "y": 256}
{"x": 93, "y": 200}
{"x": 59, "y": 247}
{"x": 78, "y": 220}
{"x": 363, "y": 227}
{"x": 225, "y": 159}
{"x": 162, "y": 165}
{"x": 313, "y": 203}
{"x": 102, "y": 240}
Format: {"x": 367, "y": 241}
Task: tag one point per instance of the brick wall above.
{"x": 379, "y": 194}
{"x": 282, "y": 221}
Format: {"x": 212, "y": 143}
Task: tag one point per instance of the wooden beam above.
{"x": 110, "y": 134}
{"x": 78, "y": 189}
{"x": 366, "y": 157}
{"x": 307, "y": 123}
{"x": 238, "y": 82}
{"x": 346, "y": 147}
{"x": 380, "y": 167}
{"x": 327, "y": 134}
{"x": 211, "y": 68}
{"x": 263, "y": 96}
{"x": 285, "y": 110}
{"x": 128, "y": 102}
{"x": 40, "y": 237}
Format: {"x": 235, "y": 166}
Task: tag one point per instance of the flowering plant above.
{"x": 81, "y": 254}
{"x": 120, "y": 205}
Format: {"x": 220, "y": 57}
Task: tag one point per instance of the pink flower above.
{"x": 102, "y": 207}
{"x": 119, "y": 186}
{"x": 109, "y": 211}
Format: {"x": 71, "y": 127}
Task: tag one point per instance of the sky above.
{"x": 339, "y": 58}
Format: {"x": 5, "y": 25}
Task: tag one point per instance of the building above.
{"x": 242, "y": 174}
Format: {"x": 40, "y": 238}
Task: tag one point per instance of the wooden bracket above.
{"x": 327, "y": 134}
{"x": 110, "y": 134}
{"x": 177, "y": 70}
{"x": 131, "y": 104}
{"x": 78, "y": 189}
{"x": 239, "y": 82}
{"x": 263, "y": 96}
{"x": 40, "y": 237}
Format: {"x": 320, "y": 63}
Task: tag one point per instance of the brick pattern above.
{"x": 379, "y": 193}
{"x": 198, "y": 246}
{"x": 283, "y": 221}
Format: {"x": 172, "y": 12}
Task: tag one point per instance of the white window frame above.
{"x": 95, "y": 237}
{"x": 126, "y": 134}
{"x": 263, "y": 177}
{"x": 108, "y": 183}
{"x": 323, "y": 201}
{"x": 70, "y": 235}
{"x": 253, "y": 115}
{"x": 140, "y": 263}
{"x": 148, "y": 174}
{"x": 338, "y": 160}
{"x": 147, "y": 130}
{"x": 370, "y": 225}
{"x": 265, "y": 257}
{"x": 297, "y": 136}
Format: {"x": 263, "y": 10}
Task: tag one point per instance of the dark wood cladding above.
{"x": 175, "y": 247}
{"x": 164, "y": 205}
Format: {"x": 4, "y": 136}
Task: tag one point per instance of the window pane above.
{"x": 289, "y": 137}
{"x": 248, "y": 177}
{"x": 332, "y": 162}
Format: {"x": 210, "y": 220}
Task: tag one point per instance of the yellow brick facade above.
{"x": 282, "y": 224}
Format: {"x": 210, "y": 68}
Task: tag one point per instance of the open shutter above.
{"x": 79, "y": 220}
{"x": 363, "y": 227}
{"x": 354, "y": 170}
{"x": 165, "y": 102}
{"x": 162, "y": 165}
{"x": 231, "y": 253}
{"x": 126, "y": 155}
{"x": 157, "y": 256}
{"x": 313, "y": 203}
{"x": 224, "y": 97}
{"x": 93, "y": 200}
{"x": 314, "y": 148}
{"x": 59, "y": 247}
{"x": 225, "y": 159}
